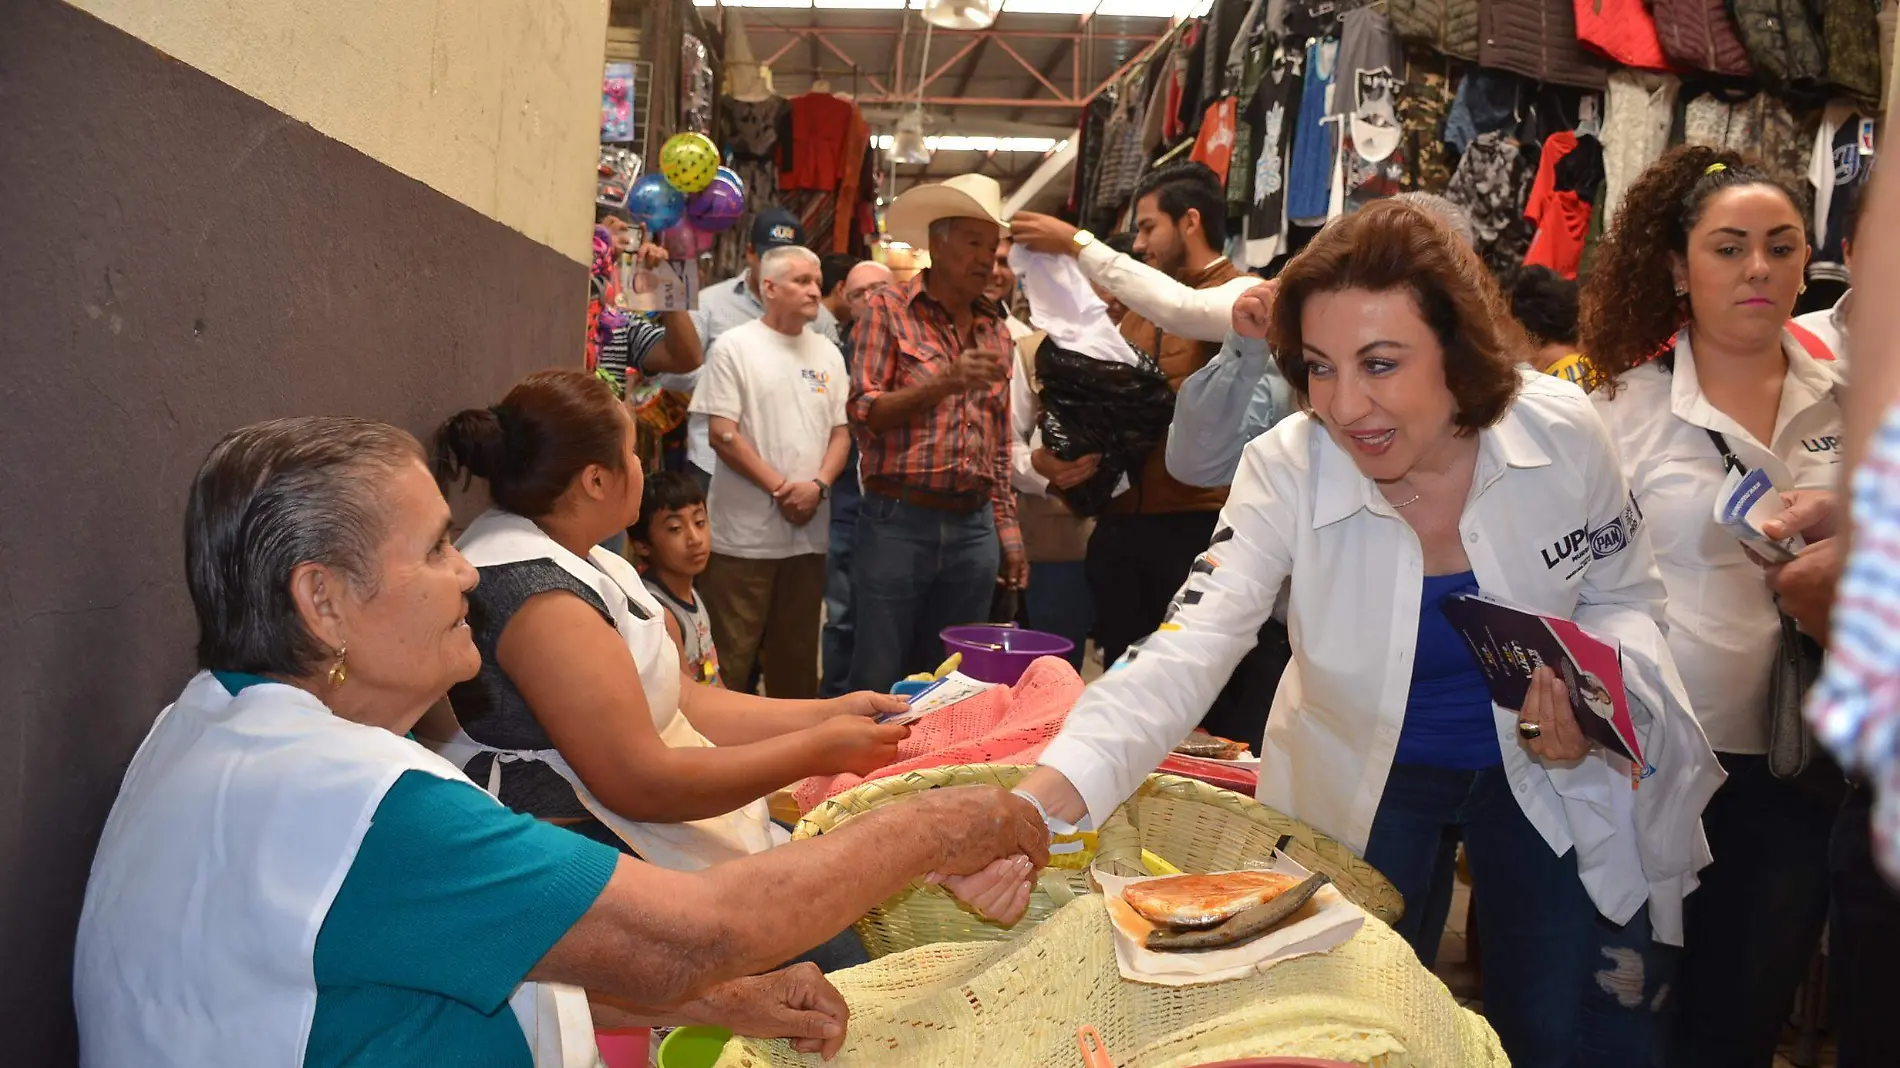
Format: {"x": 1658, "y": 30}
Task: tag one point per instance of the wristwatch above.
{"x": 1083, "y": 239}
{"x": 824, "y": 491}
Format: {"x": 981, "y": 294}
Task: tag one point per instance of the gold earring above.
{"x": 340, "y": 671}
{"x": 1803, "y": 289}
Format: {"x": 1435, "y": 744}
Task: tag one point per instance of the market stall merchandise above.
{"x": 1020, "y": 1003}
{"x": 1189, "y": 824}
{"x": 1296, "y": 102}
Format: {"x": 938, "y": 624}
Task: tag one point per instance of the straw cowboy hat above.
{"x": 967, "y": 196}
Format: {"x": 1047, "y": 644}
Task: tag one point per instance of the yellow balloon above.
{"x": 690, "y": 161}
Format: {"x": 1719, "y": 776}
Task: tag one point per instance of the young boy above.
{"x": 671, "y": 542}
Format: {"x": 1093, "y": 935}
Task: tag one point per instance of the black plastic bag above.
{"x": 1094, "y": 406}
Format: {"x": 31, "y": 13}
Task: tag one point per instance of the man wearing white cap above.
{"x": 930, "y": 409}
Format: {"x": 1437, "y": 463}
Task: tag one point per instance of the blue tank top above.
{"x": 1448, "y": 721}
{"x": 1309, "y": 179}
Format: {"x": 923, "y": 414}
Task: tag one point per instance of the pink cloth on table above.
{"x": 1002, "y": 725}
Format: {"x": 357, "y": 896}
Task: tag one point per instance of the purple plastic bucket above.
{"x": 1001, "y": 654}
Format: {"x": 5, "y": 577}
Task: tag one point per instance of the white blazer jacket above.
{"x": 1550, "y": 525}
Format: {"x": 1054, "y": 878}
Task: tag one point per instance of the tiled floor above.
{"x": 1460, "y": 976}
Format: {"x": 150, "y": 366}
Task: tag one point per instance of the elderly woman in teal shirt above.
{"x": 286, "y": 878}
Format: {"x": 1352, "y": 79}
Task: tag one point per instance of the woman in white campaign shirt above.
{"x": 1706, "y": 239}
{"x": 1424, "y": 459}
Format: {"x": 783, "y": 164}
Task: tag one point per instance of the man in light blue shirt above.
{"x": 1237, "y": 397}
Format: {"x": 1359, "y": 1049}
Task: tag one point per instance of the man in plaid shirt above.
{"x": 930, "y": 410}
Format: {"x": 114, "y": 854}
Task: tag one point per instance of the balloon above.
{"x": 654, "y": 203}
{"x": 715, "y": 207}
{"x": 690, "y": 161}
{"x": 732, "y": 176}
{"x": 685, "y": 241}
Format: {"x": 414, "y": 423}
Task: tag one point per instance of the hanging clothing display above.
{"x": 1759, "y": 126}
{"x": 1365, "y": 101}
{"x": 1838, "y": 170}
{"x": 1486, "y": 100}
{"x": 1448, "y": 26}
{"x": 1276, "y": 107}
{"x": 1120, "y": 155}
{"x": 1569, "y": 172}
{"x": 1307, "y": 109}
{"x": 1424, "y": 109}
{"x": 1538, "y": 39}
{"x": 696, "y": 85}
{"x": 821, "y": 127}
{"x": 1310, "y": 170}
{"x": 1247, "y": 65}
{"x": 1154, "y": 109}
{"x": 1783, "y": 43}
{"x": 1700, "y": 35}
{"x": 1621, "y": 30}
{"x": 1088, "y": 168}
{"x": 1850, "y": 39}
{"x": 1214, "y": 145}
{"x": 1638, "y": 109}
{"x": 1492, "y": 184}
{"x": 850, "y": 187}
{"x": 1309, "y": 20}
{"x": 752, "y": 152}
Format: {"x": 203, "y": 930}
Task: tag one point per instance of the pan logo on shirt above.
{"x": 816, "y": 381}
{"x": 1584, "y": 544}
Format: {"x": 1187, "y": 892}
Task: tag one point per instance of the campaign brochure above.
{"x": 1747, "y": 500}
{"x": 1510, "y": 642}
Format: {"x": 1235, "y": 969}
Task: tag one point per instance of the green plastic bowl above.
{"x": 693, "y": 1047}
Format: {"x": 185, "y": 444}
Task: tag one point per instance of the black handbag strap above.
{"x": 1729, "y": 459}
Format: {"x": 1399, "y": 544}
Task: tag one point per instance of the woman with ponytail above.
{"x": 580, "y": 713}
{"x": 1684, "y": 325}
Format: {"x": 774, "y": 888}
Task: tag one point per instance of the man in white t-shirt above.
{"x": 774, "y": 394}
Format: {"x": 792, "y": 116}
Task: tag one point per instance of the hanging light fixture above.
{"x": 907, "y": 144}
{"x": 962, "y": 14}
{"x": 907, "y": 141}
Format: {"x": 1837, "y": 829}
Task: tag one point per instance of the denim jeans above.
{"x": 1563, "y": 987}
{"x": 1863, "y": 942}
{"x": 835, "y": 643}
{"x": 1751, "y": 927}
{"x": 914, "y": 572}
{"x": 1058, "y": 602}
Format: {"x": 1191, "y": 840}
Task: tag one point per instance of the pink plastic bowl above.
{"x": 1001, "y": 654}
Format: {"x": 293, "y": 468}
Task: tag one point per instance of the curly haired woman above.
{"x": 1684, "y": 323}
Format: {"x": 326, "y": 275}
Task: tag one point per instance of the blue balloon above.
{"x": 654, "y": 203}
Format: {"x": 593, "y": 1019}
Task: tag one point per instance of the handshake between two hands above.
{"x": 993, "y": 844}
{"x": 990, "y": 843}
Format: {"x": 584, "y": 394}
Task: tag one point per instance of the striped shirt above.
{"x": 628, "y": 347}
{"x": 1855, "y": 706}
{"x": 904, "y": 338}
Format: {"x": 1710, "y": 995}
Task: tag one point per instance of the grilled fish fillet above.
{"x": 1187, "y": 901}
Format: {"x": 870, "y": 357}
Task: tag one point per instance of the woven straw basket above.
{"x": 1194, "y": 826}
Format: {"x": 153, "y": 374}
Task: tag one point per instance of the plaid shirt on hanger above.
{"x": 905, "y": 338}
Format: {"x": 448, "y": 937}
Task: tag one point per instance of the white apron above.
{"x": 498, "y": 537}
{"x": 233, "y": 830}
